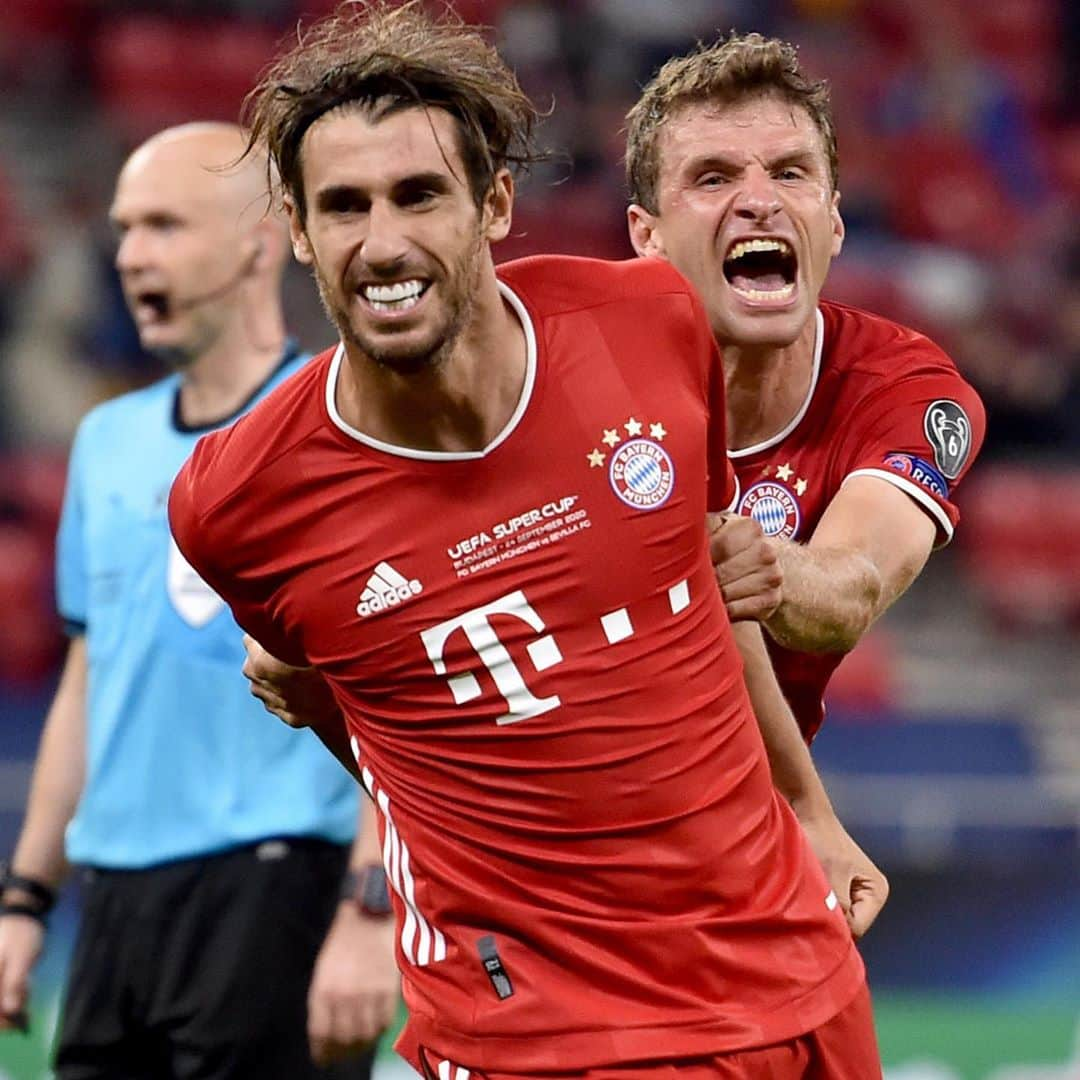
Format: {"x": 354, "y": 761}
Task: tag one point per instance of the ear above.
{"x": 498, "y": 208}
{"x": 298, "y": 234}
{"x": 645, "y": 233}
{"x": 265, "y": 245}
{"x": 837, "y": 224}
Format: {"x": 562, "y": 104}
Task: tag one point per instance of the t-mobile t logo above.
{"x": 521, "y": 703}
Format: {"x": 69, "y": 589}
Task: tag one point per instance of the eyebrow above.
{"x": 153, "y": 218}
{"x": 723, "y": 163}
{"x": 328, "y": 197}
{"x": 803, "y": 156}
{"x": 711, "y": 161}
{"x": 434, "y": 181}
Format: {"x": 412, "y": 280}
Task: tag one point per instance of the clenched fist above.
{"x": 746, "y": 565}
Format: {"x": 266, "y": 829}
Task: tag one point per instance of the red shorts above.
{"x": 844, "y": 1048}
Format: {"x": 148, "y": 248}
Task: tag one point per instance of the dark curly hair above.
{"x": 382, "y": 57}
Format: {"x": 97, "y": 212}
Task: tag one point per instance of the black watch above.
{"x": 367, "y": 887}
{"x": 42, "y": 897}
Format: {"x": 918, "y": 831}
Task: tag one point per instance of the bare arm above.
{"x": 355, "y": 987}
{"x": 860, "y": 887}
{"x": 871, "y": 543}
{"x": 39, "y": 854}
{"x": 58, "y": 776}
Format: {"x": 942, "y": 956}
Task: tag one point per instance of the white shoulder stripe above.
{"x": 920, "y": 495}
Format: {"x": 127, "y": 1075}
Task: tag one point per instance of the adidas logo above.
{"x": 386, "y": 588}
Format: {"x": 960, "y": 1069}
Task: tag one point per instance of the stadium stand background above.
{"x": 953, "y": 744}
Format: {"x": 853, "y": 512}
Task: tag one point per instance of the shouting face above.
{"x": 747, "y": 213}
{"x": 186, "y": 223}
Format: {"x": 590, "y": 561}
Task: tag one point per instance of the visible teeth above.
{"x": 744, "y": 247}
{"x": 388, "y": 294}
{"x": 766, "y": 294}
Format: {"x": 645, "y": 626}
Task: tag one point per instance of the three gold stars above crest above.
{"x": 785, "y": 472}
{"x": 612, "y": 438}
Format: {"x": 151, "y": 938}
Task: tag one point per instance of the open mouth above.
{"x": 397, "y": 297}
{"x": 152, "y": 305}
{"x": 762, "y": 270}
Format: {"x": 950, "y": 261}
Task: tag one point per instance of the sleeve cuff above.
{"x": 920, "y": 495}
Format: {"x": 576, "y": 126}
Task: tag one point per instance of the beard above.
{"x": 458, "y": 290}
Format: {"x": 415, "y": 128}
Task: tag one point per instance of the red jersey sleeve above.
{"x": 920, "y": 433}
{"x": 206, "y": 546}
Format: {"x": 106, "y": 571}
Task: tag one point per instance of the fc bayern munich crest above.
{"x": 773, "y": 507}
{"x": 642, "y": 474}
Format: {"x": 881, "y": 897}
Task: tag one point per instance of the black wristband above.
{"x": 31, "y": 912}
{"x": 44, "y": 896}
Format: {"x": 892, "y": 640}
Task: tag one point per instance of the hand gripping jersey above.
{"x": 589, "y": 862}
{"x": 884, "y": 401}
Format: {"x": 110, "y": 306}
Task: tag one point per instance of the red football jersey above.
{"x": 589, "y": 861}
{"x": 884, "y": 401}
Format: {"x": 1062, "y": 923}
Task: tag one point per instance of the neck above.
{"x": 225, "y": 375}
{"x": 458, "y": 406}
{"x": 765, "y": 387}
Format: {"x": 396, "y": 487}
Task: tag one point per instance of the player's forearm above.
{"x": 793, "y": 771}
{"x": 365, "y": 849}
{"x": 830, "y": 598}
{"x": 57, "y": 779}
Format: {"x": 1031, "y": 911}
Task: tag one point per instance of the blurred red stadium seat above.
{"x": 864, "y": 283}
{"x": 31, "y": 492}
{"x": 1020, "y": 35}
{"x": 943, "y": 191}
{"x": 864, "y": 685}
{"x": 584, "y": 221}
{"x": 152, "y": 70}
{"x": 32, "y": 489}
{"x": 1020, "y": 526}
{"x": 30, "y": 639}
{"x": 30, "y": 21}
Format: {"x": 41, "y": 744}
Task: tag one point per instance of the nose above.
{"x": 384, "y": 245}
{"x": 757, "y": 198}
{"x": 132, "y": 253}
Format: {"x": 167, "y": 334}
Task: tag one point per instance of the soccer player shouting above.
{"x": 848, "y": 432}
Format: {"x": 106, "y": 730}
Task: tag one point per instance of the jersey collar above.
{"x": 819, "y": 343}
{"x": 289, "y": 353}
{"x": 442, "y": 455}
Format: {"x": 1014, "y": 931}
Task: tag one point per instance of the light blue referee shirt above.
{"x": 181, "y": 760}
